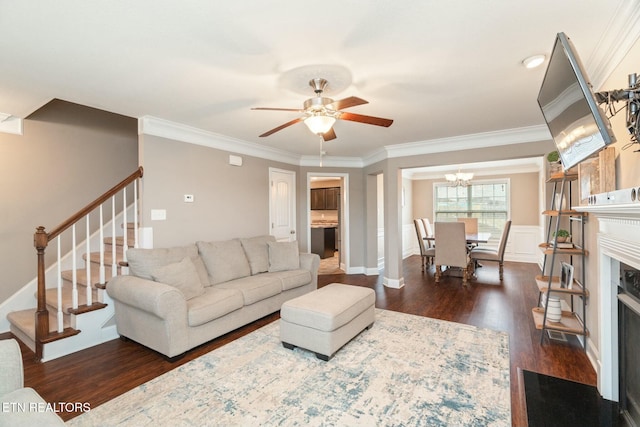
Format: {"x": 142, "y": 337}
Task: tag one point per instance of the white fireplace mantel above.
{"x": 618, "y": 240}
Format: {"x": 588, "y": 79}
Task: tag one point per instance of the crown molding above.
{"x": 468, "y": 142}
{"x": 498, "y": 167}
{"x": 149, "y": 125}
{"x": 622, "y": 32}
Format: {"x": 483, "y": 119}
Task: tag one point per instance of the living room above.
{"x": 182, "y": 159}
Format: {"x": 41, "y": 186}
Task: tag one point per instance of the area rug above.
{"x": 406, "y": 370}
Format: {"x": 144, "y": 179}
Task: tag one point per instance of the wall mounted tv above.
{"x": 578, "y": 127}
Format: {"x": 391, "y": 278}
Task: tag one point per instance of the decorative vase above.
{"x": 555, "y": 167}
{"x": 554, "y": 309}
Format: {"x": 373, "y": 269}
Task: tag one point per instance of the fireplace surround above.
{"x": 618, "y": 243}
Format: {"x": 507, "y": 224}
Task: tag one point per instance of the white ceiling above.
{"x": 440, "y": 69}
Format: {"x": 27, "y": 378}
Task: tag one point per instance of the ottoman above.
{"x": 324, "y": 320}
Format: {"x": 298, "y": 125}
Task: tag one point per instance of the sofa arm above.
{"x": 311, "y": 262}
{"x": 11, "y": 375}
{"x": 147, "y": 295}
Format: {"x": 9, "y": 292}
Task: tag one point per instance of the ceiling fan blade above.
{"x": 328, "y": 136}
{"x": 274, "y": 130}
{"x": 278, "y": 109}
{"x": 370, "y": 120}
{"x": 352, "y": 101}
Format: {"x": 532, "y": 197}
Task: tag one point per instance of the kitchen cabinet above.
{"x": 331, "y": 198}
{"x": 325, "y": 198}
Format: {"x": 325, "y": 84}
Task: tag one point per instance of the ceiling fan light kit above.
{"x": 319, "y": 124}
{"x": 321, "y": 113}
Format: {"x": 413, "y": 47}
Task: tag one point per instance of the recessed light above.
{"x": 533, "y": 61}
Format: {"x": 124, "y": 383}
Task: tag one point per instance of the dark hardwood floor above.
{"x": 101, "y": 373}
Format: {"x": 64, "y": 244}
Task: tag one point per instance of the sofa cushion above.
{"x": 142, "y": 261}
{"x": 27, "y": 398}
{"x": 283, "y": 256}
{"x": 255, "y": 288}
{"x": 215, "y": 302}
{"x": 292, "y": 278}
{"x": 224, "y": 260}
{"x": 257, "y": 252}
{"x": 181, "y": 275}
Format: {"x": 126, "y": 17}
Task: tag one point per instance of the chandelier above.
{"x": 459, "y": 179}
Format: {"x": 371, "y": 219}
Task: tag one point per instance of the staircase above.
{"x": 72, "y": 308}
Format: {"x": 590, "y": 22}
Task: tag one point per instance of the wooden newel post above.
{"x": 40, "y": 241}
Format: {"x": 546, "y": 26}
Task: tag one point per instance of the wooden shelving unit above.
{"x": 559, "y": 210}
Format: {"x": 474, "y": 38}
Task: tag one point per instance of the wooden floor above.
{"x": 103, "y": 372}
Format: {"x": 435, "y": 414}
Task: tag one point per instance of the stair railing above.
{"x": 42, "y": 239}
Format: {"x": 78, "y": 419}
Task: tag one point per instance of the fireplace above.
{"x": 629, "y": 344}
{"x": 617, "y": 293}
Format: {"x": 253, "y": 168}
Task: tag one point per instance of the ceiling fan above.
{"x": 320, "y": 113}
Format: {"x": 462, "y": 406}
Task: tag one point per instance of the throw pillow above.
{"x": 224, "y": 260}
{"x": 142, "y": 261}
{"x": 181, "y": 275}
{"x": 283, "y": 256}
{"x": 257, "y": 252}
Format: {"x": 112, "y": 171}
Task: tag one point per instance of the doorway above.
{"x": 328, "y": 220}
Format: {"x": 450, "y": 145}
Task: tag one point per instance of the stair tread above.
{"x": 108, "y": 257}
{"x": 120, "y": 240}
{"x": 67, "y": 297}
{"x": 81, "y": 275}
{"x": 25, "y": 320}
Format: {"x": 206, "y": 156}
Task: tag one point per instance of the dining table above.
{"x": 472, "y": 238}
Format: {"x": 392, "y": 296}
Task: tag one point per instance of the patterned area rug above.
{"x": 405, "y": 370}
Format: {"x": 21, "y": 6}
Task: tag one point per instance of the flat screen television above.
{"x": 578, "y": 127}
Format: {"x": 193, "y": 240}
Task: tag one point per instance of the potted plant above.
{"x": 555, "y": 165}
{"x": 561, "y": 236}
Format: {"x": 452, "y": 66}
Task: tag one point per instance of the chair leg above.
{"x": 437, "y": 273}
{"x": 464, "y": 276}
{"x": 501, "y": 271}
{"x": 423, "y": 261}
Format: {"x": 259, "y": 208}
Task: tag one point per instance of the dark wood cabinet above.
{"x": 331, "y": 198}
{"x": 325, "y": 198}
{"x": 317, "y": 199}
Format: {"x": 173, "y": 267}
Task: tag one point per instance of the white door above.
{"x": 282, "y": 202}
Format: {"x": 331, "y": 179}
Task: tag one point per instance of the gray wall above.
{"x": 67, "y": 156}
{"x": 230, "y": 201}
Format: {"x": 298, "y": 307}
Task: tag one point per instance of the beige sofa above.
{"x": 178, "y": 298}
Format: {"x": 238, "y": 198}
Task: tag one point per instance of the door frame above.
{"x": 344, "y": 216}
{"x": 293, "y": 206}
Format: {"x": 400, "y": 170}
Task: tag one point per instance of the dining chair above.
{"x": 428, "y": 230}
{"x": 426, "y": 253}
{"x": 470, "y": 225}
{"x": 489, "y": 254}
{"x": 451, "y": 243}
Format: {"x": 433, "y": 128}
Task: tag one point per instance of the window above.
{"x": 486, "y": 200}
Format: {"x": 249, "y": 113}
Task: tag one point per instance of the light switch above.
{"x": 158, "y": 214}
{"x": 188, "y": 198}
